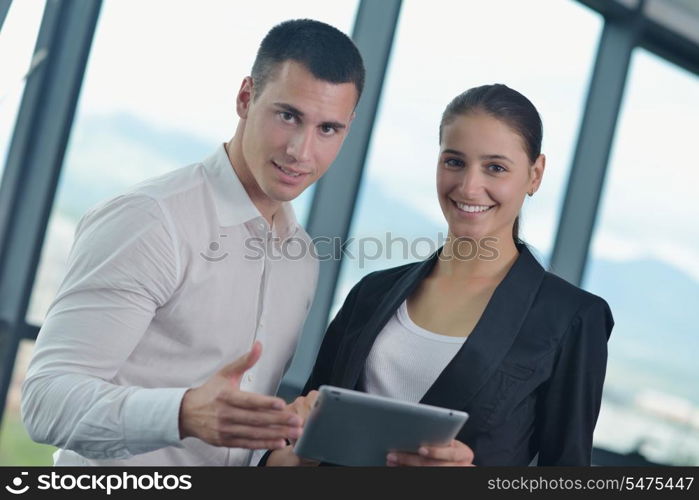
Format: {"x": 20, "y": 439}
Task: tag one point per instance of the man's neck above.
{"x": 267, "y": 207}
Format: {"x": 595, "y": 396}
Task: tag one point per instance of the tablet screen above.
{"x": 348, "y": 427}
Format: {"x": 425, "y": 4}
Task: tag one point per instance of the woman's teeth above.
{"x": 473, "y": 208}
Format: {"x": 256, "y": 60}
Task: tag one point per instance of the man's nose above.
{"x": 301, "y": 145}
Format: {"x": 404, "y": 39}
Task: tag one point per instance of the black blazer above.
{"x": 530, "y": 374}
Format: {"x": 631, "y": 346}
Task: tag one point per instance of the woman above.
{"x": 519, "y": 349}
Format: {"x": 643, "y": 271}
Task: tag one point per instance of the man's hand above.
{"x": 219, "y": 413}
{"x": 455, "y": 454}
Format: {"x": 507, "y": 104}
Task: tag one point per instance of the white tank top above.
{"x": 406, "y": 359}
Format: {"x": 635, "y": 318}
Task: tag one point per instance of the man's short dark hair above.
{"x": 326, "y": 52}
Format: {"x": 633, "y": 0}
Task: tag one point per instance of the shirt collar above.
{"x": 233, "y": 205}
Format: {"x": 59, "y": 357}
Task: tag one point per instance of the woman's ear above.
{"x": 537, "y": 171}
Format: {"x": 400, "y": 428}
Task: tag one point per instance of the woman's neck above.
{"x": 469, "y": 259}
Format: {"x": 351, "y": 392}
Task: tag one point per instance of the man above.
{"x": 151, "y": 353}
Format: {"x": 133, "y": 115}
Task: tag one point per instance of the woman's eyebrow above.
{"x": 453, "y": 152}
{"x": 496, "y": 157}
{"x": 456, "y": 152}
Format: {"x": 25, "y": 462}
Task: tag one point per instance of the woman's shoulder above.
{"x": 384, "y": 279}
{"x": 554, "y": 292}
{"x": 390, "y": 274}
{"x": 559, "y": 293}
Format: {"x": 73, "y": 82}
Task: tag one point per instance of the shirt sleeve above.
{"x": 122, "y": 267}
{"x": 572, "y": 396}
{"x": 259, "y": 458}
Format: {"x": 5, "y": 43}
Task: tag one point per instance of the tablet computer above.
{"x": 354, "y": 428}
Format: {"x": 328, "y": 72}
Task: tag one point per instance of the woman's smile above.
{"x": 472, "y": 210}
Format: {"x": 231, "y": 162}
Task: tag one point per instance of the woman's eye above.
{"x": 453, "y": 163}
{"x": 496, "y": 168}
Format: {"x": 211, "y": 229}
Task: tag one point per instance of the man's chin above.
{"x": 283, "y": 195}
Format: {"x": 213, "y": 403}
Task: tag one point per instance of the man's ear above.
{"x": 244, "y": 97}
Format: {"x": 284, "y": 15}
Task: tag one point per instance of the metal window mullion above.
{"x": 657, "y": 38}
{"x": 35, "y": 159}
{"x": 336, "y": 193}
{"x": 587, "y": 174}
{"x": 4, "y": 8}
{"x": 670, "y": 46}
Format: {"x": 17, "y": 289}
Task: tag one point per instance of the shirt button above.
{"x": 261, "y": 225}
{"x": 249, "y": 377}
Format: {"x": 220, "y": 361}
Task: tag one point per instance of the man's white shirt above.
{"x": 165, "y": 285}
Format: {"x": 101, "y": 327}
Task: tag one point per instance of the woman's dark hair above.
{"x": 326, "y": 52}
{"x": 506, "y": 104}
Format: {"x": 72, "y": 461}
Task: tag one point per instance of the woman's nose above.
{"x": 471, "y": 183}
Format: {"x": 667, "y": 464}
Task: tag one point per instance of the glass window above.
{"x": 645, "y": 262}
{"x": 151, "y": 101}
{"x": 16, "y": 448}
{"x": 159, "y": 93}
{"x": 17, "y": 42}
{"x": 441, "y": 49}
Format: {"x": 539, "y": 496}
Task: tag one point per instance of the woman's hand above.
{"x": 455, "y": 454}
{"x": 285, "y": 457}
{"x": 302, "y": 407}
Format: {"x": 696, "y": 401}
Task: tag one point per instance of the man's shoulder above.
{"x": 172, "y": 185}
{"x": 159, "y": 195}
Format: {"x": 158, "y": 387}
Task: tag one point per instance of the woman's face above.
{"x": 483, "y": 175}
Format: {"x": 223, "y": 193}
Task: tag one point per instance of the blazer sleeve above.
{"x": 327, "y": 354}
{"x": 568, "y": 410}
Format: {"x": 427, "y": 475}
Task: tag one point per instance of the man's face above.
{"x": 293, "y": 129}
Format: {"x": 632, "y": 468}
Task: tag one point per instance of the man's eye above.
{"x": 327, "y": 129}
{"x": 286, "y": 116}
{"x": 453, "y": 163}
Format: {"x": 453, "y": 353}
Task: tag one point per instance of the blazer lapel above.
{"x": 492, "y": 336}
{"x": 395, "y": 296}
